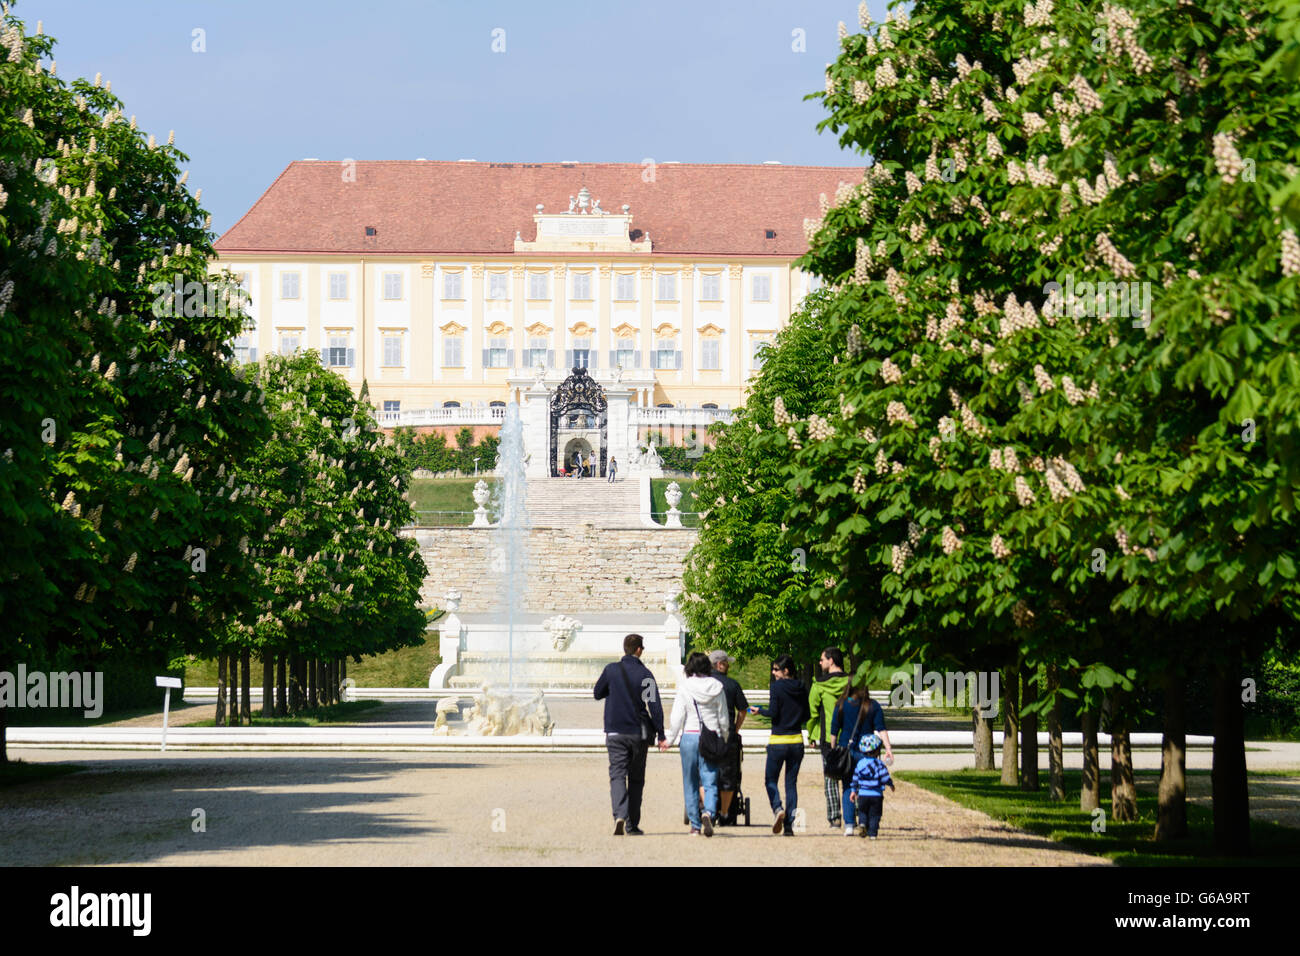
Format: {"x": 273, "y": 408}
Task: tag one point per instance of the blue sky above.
{"x": 399, "y": 79}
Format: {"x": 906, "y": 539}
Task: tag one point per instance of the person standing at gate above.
{"x": 613, "y": 469}
{"x": 577, "y": 463}
{"x": 591, "y": 464}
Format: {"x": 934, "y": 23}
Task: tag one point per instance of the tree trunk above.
{"x": 983, "y": 733}
{"x": 295, "y": 685}
{"x": 1011, "y": 724}
{"x": 1055, "y": 743}
{"x": 4, "y": 736}
{"x": 268, "y": 684}
{"x": 1228, "y": 776}
{"x": 1090, "y": 782}
{"x": 1171, "y": 797}
{"x": 312, "y": 684}
{"x": 220, "y": 718}
{"x": 281, "y": 685}
{"x": 1123, "y": 792}
{"x": 1029, "y": 732}
{"x": 246, "y": 691}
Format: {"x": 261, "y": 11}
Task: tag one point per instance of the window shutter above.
{"x": 636, "y": 363}
{"x": 613, "y": 359}
{"x": 485, "y": 358}
{"x": 510, "y": 358}
{"x": 252, "y": 354}
{"x": 352, "y": 358}
{"x": 679, "y": 360}
{"x": 550, "y": 358}
{"x": 568, "y": 359}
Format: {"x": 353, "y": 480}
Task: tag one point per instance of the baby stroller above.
{"x": 739, "y": 802}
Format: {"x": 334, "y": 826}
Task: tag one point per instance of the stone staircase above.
{"x": 571, "y": 502}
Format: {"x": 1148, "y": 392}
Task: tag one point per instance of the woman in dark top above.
{"x": 788, "y": 709}
{"x": 843, "y": 721}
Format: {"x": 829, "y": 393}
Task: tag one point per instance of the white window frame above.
{"x": 392, "y": 405}
{"x": 666, "y": 282}
{"x": 498, "y": 292}
{"x": 332, "y": 350}
{"x": 625, "y": 356}
{"x": 392, "y": 286}
{"x": 453, "y": 285}
{"x": 290, "y": 280}
{"x": 539, "y": 281}
{"x": 582, "y": 279}
{"x": 764, "y": 281}
{"x": 625, "y": 287}
{"x": 665, "y": 347}
{"x": 398, "y": 338}
{"x": 453, "y": 348}
{"x": 498, "y": 348}
{"x": 711, "y": 282}
{"x": 708, "y": 344}
{"x": 337, "y": 277}
{"x": 295, "y": 335}
{"x": 538, "y": 346}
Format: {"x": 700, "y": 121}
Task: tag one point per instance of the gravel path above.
{"x": 450, "y": 809}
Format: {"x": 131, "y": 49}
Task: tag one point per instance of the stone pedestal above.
{"x": 535, "y": 413}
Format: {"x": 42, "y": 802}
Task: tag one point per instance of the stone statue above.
{"x": 539, "y": 374}
{"x": 596, "y": 210}
{"x": 573, "y": 203}
{"x": 562, "y": 629}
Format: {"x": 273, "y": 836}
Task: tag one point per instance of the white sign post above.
{"x": 168, "y": 683}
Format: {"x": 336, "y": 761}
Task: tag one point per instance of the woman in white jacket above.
{"x": 699, "y": 697}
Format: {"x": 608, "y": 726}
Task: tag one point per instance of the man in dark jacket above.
{"x": 631, "y": 702}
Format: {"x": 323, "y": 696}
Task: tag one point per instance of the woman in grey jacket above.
{"x": 699, "y": 698}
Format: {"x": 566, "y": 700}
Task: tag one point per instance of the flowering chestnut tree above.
{"x": 1067, "y": 391}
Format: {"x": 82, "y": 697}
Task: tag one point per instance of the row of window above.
{"x": 665, "y": 355}
{"x": 538, "y": 286}
{"x": 576, "y": 420}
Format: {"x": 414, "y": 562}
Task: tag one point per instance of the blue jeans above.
{"x": 791, "y": 756}
{"x": 697, "y": 772}
{"x": 850, "y": 818}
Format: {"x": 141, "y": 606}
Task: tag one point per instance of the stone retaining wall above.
{"x": 569, "y": 570}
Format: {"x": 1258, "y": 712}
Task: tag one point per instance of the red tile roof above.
{"x": 421, "y": 208}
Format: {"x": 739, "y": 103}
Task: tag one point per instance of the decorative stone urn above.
{"x": 481, "y": 496}
{"x": 673, "y": 494}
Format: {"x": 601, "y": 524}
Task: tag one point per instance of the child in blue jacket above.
{"x": 867, "y": 789}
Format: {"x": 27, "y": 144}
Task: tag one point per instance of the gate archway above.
{"x": 579, "y": 411}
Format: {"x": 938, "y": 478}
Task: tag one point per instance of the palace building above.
{"x": 612, "y": 301}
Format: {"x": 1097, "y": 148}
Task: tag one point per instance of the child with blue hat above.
{"x": 867, "y": 789}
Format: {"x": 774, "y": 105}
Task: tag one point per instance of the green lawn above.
{"x": 659, "y": 504}
{"x": 1128, "y": 844}
{"x": 333, "y": 714}
{"x": 407, "y": 667}
{"x": 445, "y": 502}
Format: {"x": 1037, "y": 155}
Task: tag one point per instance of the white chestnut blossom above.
{"x": 999, "y": 548}
{"x": 1290, "y": 253}
{"x": 1043, "y": 380}
{"x": 1023, "y": 493}
{"x": 1073, "y": 394}
{"x": 1114, "y": 260}
{"x": 1086, "y": 95}
{"x": 779, "y": 414}
{"x": 1227, "y": 161}
{"x": 885, "y": 75}
{"x": 951, "y": 542}
{"x": 896, "y": 413}
{"x": 890, "y": 372}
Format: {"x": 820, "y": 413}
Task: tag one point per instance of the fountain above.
{"x": 496, "y": 712}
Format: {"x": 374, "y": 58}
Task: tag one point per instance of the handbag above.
{"x": 838, "y": 761}
{"x": 643, "y": 715}
{"x": 712, "y": 748}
